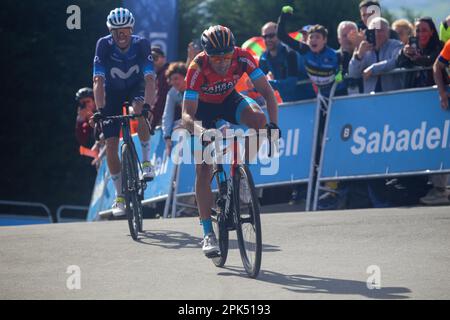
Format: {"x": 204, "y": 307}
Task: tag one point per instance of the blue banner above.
{"x": 292, "y": 163}
{"x": 157, "y": 21}
{"x": 387, "y": 134}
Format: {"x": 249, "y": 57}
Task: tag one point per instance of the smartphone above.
{"x": 370, "y": 36}
{"x": 413, "y": 42}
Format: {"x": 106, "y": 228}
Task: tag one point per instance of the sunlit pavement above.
{"x": 323, "y": 255}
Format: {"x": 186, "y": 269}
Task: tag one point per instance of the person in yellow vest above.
{"x": 444, "y": 33}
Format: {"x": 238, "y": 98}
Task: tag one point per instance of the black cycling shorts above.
{"x": 114, "y": 104}
{"x": 229, "y": 110}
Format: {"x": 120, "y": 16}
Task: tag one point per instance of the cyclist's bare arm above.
{"x": 263, "y": 87}
{"x": 438, "y": 71}
{"x": 99, "y": 91}
{"x": 189, "y": 111}
{"x": 150, "y": 90}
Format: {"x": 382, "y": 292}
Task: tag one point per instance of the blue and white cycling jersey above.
{"x": 123, "y": 70}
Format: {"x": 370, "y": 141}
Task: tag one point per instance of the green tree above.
{"x": 46, "y": 64}
{"x": 246, "y": 17}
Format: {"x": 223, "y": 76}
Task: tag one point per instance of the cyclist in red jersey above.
{"x": 211, "y": 95}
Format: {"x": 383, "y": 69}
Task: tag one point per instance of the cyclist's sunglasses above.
{"x": 269, "y": 35}
{"x": 219, "y": 58}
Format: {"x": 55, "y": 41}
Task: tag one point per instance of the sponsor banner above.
{"x": 103, "y": 193}
{"x": 291, "y": 162}
{"x": 387, "y": 134}
{"x": 157, "y": 21}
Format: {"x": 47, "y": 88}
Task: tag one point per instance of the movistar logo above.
{"x": 116, "y": 72}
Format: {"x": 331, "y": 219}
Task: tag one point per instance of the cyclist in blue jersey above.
{"x": 123, "y": 71}
{"x": 321, "y": 62}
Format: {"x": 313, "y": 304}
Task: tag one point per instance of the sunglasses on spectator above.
{"x": 269, "y": 36}
{"x": 219, "y": 58}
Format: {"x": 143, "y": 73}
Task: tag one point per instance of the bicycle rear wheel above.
{"x": 248, "y": 222}
{"x": 130, "y": 185}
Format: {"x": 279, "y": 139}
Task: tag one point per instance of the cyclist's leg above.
{"x": 203, "y": 191}
{"x": 111, "y": 132}
{"x": 137, "y": 101}
{"x": 143, "y": 130}
{"x": 205, "y": 200}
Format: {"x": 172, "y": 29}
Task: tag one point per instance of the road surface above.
{"x": 322, "y": 255}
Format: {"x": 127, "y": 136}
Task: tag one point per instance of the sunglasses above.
{"x": 269, "y": 36}
{"x": 219, "y": 58}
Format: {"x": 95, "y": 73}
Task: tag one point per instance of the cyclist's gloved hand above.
{"x": 205, "y": 136}
{"x": 99, "y": 115}
{"x": 273, "y": 126}
{"x": 146, "y": 110}
{"x": 287, "y": 10}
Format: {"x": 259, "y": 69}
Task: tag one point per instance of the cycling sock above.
{"x": 145, "y": 145}
{"x": 117, "y": 179}
{"x": 207, "y": 226}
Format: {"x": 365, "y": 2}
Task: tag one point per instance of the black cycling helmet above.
{"x": 84, "y": 93}
{"x": 217, "y": 40}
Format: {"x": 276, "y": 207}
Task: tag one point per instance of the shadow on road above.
{"x": 309, "y": 284}
{"x": 170, "y": 239}
{"x": 233, "y": 245}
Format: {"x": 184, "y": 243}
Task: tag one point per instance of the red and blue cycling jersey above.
{"x": 123, "y": 70}
{"x": 204, "y": 84}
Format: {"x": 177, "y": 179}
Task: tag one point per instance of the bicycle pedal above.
{"x": 214, "y": 254}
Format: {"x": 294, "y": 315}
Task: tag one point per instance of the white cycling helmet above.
{"x": 120, "y": 18}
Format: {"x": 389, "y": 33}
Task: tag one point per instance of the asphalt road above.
{"x": 322, "y": 255}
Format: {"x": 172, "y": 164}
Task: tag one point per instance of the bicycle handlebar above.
{"x": 98, "y": 117}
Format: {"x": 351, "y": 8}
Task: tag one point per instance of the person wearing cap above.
{"x": 304, "y": 31}
{"x": 162, "y": 85}
{"x": 85, "y": 110}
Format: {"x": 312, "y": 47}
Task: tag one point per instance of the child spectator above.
{"x": 176, "y": 73}
{"x": 321, "y": 62}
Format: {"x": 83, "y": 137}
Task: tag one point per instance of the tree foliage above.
{"x": 45, "y": 63}
{"x": 246, "y": 17}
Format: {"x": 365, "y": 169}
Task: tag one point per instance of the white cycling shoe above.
{"x": 118, "y": 207}
{"x": 210, "y": 245}
{"x": 148, "y": 173}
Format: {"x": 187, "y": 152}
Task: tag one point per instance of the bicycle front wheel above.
{"x": 130, "y": 186}
{"x": 247, "y": 219}
{"x": 221, "y": 231}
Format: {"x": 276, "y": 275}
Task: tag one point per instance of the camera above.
{"x": 370, "y": 36}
